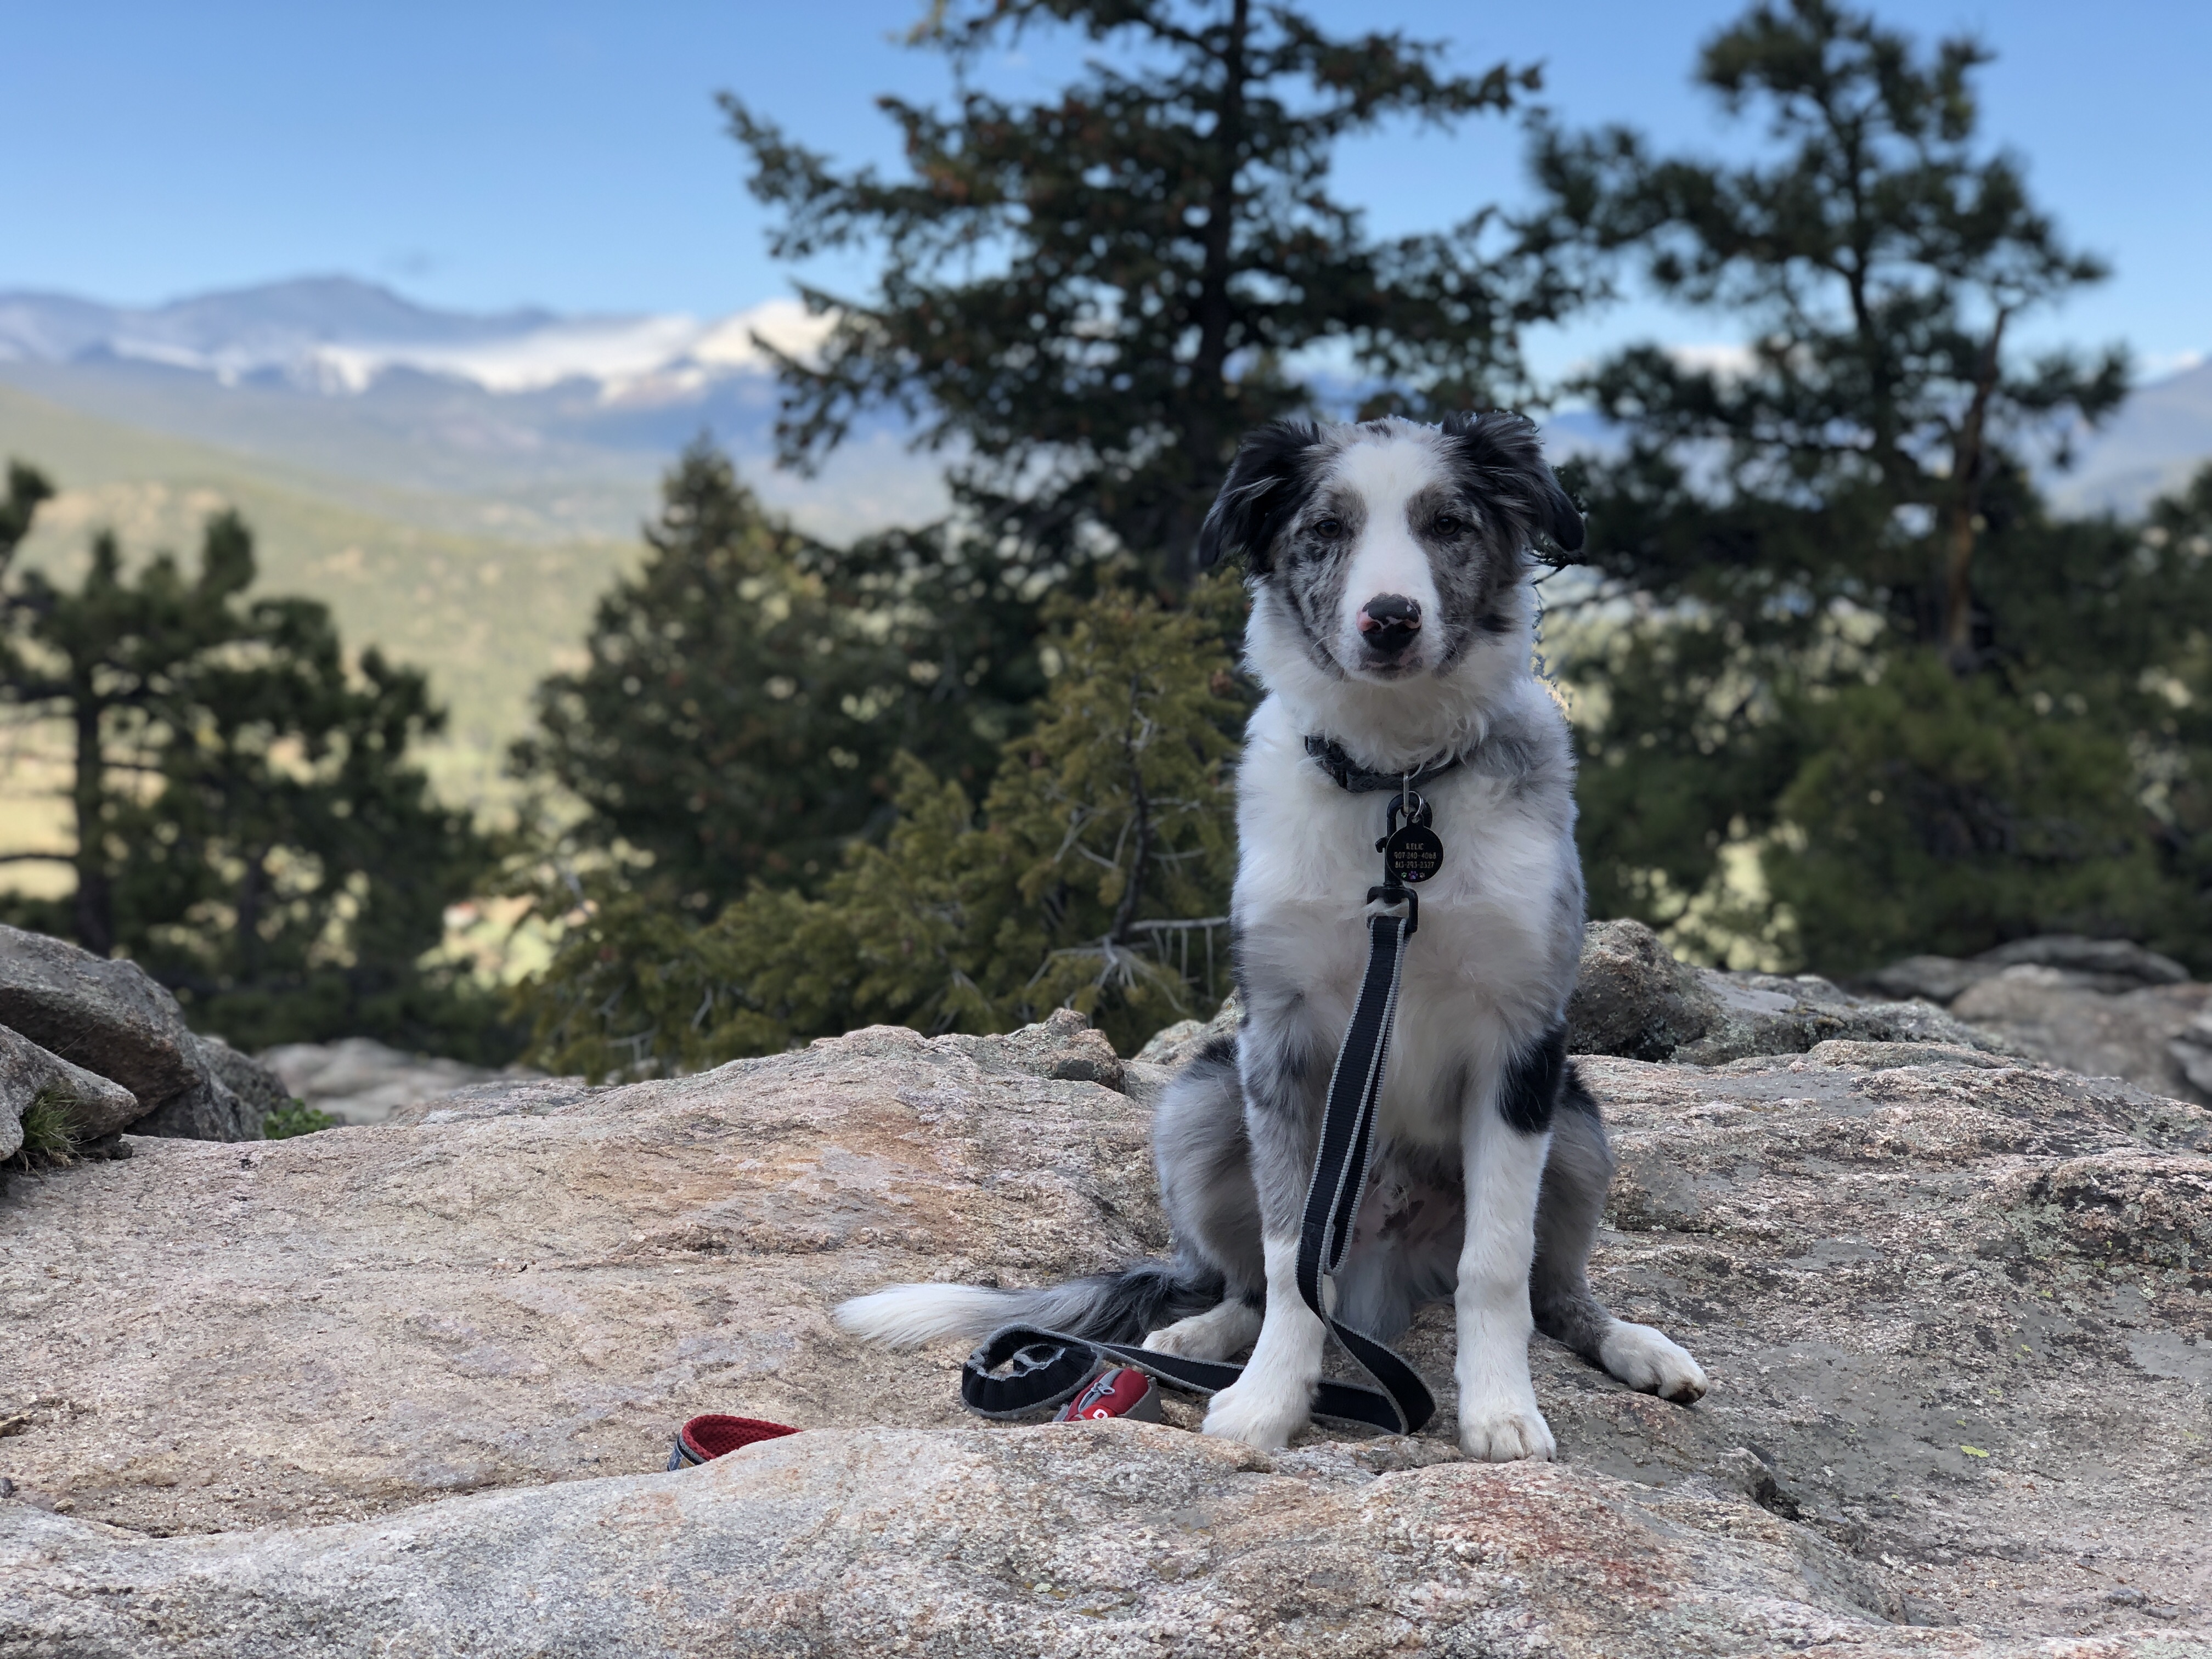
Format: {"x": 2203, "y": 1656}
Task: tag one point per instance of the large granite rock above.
{"x": 111, "y": 1017}
{"x": 1955, "y": 1309}
{"x": 106, "y": 1016}
{"x": 1634, "y": 1000}
{"x": 258, "y": 1088}
{"x": 209, "y": 1110}
{"x": 90, "y": 1105}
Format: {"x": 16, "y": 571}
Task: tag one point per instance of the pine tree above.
{"x": 249, "y": 826}
{"x": 747, "y": 689}
{"x": 1088, "y": 298}
{"x": 1878, "y": 259}
{"x": 1095, "y": 876}
{"x": 1794, "y": 538}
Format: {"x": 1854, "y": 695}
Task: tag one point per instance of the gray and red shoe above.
{"x": 1124, "y": 1391}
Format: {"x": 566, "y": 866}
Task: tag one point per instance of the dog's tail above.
{"x": 1119, "y": 1307}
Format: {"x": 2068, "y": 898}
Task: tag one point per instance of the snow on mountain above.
{"x": 337, "y": 336}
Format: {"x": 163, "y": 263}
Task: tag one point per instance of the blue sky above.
{"x": 484, "y": 155}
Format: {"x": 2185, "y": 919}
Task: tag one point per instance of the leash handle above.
{"x": 1043, "y": 1369}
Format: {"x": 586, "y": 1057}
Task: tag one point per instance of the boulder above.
{"x": 208, "y": 1110}
{"x": 2149, "y": 1035}
{"x": 1930, "y": 979}
{"x": 406, "y": 1388}
{"x": 93, "y": 1106}
{"x": 110, "y": 1016}
{"x": 1148, "y": 1070}
{"x": 259, "y": 1088}
{"x": 2110, "y": 966}
{"x": 1635, "y": 1001}
{"x": 106, "y": 1016}
{"x": 2122, "y": 963}
{"x": 360, "y": 1081}
{"x": 1064, "y": 1046}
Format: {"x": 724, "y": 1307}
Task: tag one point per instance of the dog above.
{"x": 1393, "y": 622}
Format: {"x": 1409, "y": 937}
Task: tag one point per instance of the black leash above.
{"x": 1023, "y": 1369}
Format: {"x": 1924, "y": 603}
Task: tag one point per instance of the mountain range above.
{"x": 461, "y": 485}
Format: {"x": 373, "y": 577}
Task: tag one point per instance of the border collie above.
{"x": 1393, "y": 623}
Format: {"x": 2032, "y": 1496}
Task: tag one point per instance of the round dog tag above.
{"x": 1413, "y": 852}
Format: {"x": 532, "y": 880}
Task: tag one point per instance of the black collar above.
{"x": 1349, "y": 773}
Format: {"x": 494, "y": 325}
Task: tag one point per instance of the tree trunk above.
{"x": 1125, "y": 913}
{"x": 1968, "y": 467}
{"x": 1202, "y": 433}
{"x": 95, "y": 908}
{"x": 250, "y": 893}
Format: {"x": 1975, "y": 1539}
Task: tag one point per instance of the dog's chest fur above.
{"x": 1490, "y": 968}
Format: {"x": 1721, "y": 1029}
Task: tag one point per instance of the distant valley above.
{"x": 459, "y": 490}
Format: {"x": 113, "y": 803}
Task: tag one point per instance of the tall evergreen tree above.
{"x": 746, "y": 691}
{"x": 1086, "y": 300}
{"x": 1878, "y": 257}
{"x": 249, "y": 826}
{"x": 1803, "y": 531}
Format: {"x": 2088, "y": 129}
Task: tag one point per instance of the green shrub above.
{"x": 298, "y": 1118}
{"x": 49, "y": 1132}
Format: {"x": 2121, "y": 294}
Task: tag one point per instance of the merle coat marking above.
{"x": 1393, "y": 613}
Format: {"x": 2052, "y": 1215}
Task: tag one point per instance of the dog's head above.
{"x": 1391, "y": 549}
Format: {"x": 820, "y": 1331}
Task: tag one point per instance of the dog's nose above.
{"x": 1388, "y": 623}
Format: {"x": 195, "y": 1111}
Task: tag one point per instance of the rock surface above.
{"x": 93, "y": 1105}
{"x": 1956, "y": 1311}
{"x": 1102, "y": 1539}
{"x": 1635, "y": 1001}
{"x": 360, "y": 1081}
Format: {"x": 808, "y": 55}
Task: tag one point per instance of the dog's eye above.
{"x": 1449, "y": 523}
{"x": 1329, "y": 529}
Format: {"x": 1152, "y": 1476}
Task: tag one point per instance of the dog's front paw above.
{"x": 1506, "y": 1433}
{"x": 1646, "y": 1361}
{"x": 1258, "y": 1413}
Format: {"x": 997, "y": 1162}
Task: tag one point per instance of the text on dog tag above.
{"x": 1413, "y": 852}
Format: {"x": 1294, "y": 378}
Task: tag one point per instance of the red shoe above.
{"x": 1125, "y": 1391}
{"x": 706, "y": 1439}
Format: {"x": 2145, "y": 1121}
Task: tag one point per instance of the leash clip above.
{"x": 1392, "y": 893}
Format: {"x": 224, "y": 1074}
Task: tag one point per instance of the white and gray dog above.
{"x": 1392, "y": 620}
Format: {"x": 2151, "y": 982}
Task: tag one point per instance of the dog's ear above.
{"x": 1267, "y": 482}
{"x": 1501, "y": 457}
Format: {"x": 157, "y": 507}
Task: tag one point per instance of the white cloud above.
{"x": 784, "y": 324}
{"x": 1728, "y": 360}
{"x": 611, "y": 350}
